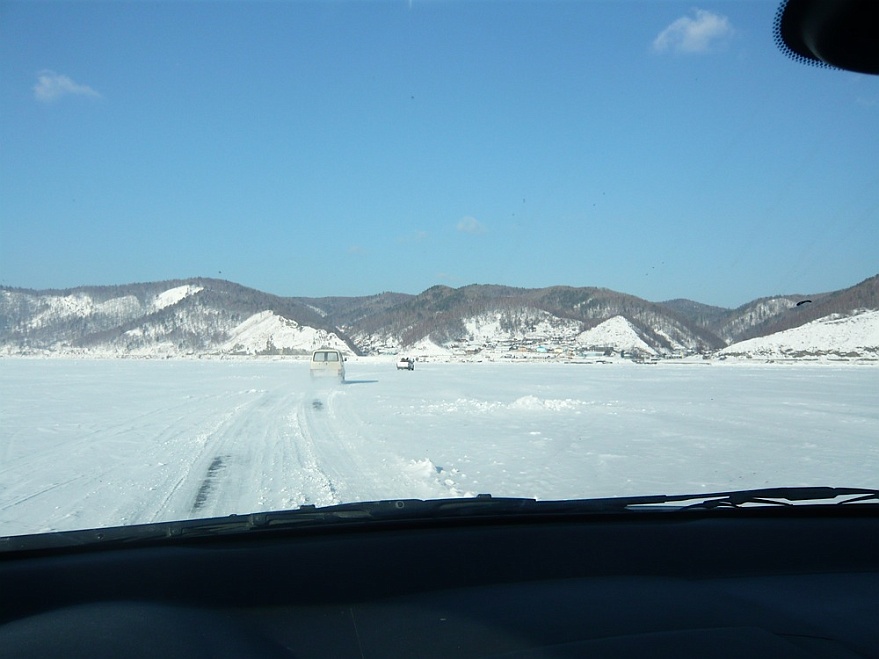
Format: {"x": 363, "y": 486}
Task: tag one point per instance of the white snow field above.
{"x": 91, "y": 443}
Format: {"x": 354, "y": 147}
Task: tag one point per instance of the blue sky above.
{"x": 661, "y": 149}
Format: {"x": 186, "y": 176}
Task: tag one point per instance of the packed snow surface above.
{"x": 90, "y": 443}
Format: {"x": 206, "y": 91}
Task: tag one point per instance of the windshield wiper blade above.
{"x": 485, "y": 505}
{"x": 781, "y": 496}
{"x": 309, "y": 517}
{"x": 775, "y": 496}
{"x": 477, "y": 509}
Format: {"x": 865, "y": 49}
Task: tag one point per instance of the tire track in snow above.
{"x": 123, "y": 472}
{"x": 187, "y": 447}
{"x": 44, "y": 455}
{"x": 316, "y": 486}
{"x": 262, "y": 458}
{"x": 360, "y": 464}
{"x": 229, "y": 472}
{"x": 323, "y": 440}
{"x": 289, "y": 448}
{"x": 33, "y": 495}
{"x": 220, "y": 450}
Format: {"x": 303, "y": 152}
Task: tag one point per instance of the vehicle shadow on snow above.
{"x": 347, "y": 382}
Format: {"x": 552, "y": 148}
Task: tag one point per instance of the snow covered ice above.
{"x": 91, "y": 443}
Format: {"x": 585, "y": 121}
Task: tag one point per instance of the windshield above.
{"x": 556, "y": 250}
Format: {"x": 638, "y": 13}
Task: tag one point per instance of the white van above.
{"x": 328, "y": 361}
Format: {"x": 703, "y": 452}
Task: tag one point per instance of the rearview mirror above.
{"x": 842, "y": 34}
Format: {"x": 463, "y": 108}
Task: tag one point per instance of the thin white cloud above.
{"x": 356, "y": 249}
{"x": 51, "y": 86}
{"x": 470, "y": 225}
{"x": 703, "y": 32}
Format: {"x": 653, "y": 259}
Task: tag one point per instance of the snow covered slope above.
{"x": 477, "y": 322}
{"x": 268, "y": 333}
{"x": 174, "y": 295}
{"x": 512, "y": 325}
{"x": 834, "y": 337}
{"x": 482, "y": 317}
{"x": 192, "y": 317}
{"x": 616, "y": 333}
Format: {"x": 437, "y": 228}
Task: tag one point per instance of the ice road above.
{"x": 90, "y": 443}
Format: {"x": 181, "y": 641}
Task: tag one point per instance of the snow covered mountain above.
{"x": 189, "y": 317}
{"x": 616, "y": 333}
{"x": 769, "y": 315}
{"x": 837, "y": 336}
{"x": 480, "y": 317}
{"x": 214, "y": 317}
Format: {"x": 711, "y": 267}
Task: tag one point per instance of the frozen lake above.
{"x": 100, "y": 443}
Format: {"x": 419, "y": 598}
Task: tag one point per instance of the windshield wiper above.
{"x": 477, "y": 509}
{"x": 776, "y": 496}
{"x": 783, "y": 496}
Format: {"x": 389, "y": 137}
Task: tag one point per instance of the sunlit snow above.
{"x": 78, "y": 305}
{"x": 267, "y": 331}
{"x": 856, "y": 334}
{"x": 428, "y": 348}
{"x": 497, "y": 326}
{"x": 617, "y": 333}
{"x": 174, "y": 295}
{"x": 87, "y": 443}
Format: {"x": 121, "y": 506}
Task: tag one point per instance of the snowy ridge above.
{"x": 489, "y": 339}
{"x": 54, "y": 309}
{"x": 204, "y": 317}
{"x": 488, "y": 317}
{"x": 494, "y": 333}
{"x": 617, "y": 333}
{"x": 835, "y": 336}
{"x": 535, "y": 324}
{"x": 754, "y": 314}
{"x": 268, "y": 333}
{"x": 200, "y": 317}
{"x": 174, "y": 295}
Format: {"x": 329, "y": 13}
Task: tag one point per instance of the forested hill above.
{"x": 202, "y": 316}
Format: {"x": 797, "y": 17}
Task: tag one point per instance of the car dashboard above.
{"x": 795, "y": 582}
